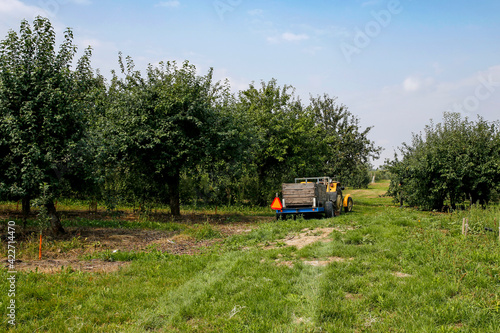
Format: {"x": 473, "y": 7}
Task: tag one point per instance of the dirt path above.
{"x": 310, "y": 236}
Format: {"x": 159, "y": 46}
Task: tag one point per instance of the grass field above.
{"x": 380, "y": 268}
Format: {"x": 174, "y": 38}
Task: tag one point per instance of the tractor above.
{"x": 312, "y": 195}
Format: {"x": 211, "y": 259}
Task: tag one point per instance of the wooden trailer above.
{"x": 312, "y": 195}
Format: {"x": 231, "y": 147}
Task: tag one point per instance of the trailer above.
{"x": 312, "y": 195}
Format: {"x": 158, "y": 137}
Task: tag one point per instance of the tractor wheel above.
{"x": 350, "y": 203}
{"x": 338, "y": 205}
{"x": 329, "y": 212}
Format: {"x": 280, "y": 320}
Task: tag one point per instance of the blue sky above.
{"x": 395, "y": 63}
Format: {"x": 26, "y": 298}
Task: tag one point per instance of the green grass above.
{"x": 403, "y": 271}
{"x": 117, "y": 223}
{"x": 64, "y": 204}
{"x": 231, "y": 210}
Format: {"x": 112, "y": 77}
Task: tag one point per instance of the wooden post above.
{"x": 40, "y": 249}
{"x": 466, "y": 227}
{"x": 463, "y": 226}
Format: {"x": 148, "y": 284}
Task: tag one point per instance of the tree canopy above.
{"x": 450, "y": 162}
{"x": 42, "y": 110}
{"x": 347, "y": 149}
{"x": 284, "y": 136}
{"x": 163, "y": 124}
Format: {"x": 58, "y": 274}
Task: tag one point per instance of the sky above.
{"x": 396, "y": 64}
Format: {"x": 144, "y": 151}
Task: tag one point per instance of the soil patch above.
{"x": 350, "y": 296}
{"x": 308, "y": 236}
{"x": 58, "y": 265}
{"x": 325, "y": 262}
{"x": 67, "y": 251}
{"x": 316, "y": 263}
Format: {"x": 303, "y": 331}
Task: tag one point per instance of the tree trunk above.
{"x": 55, "y": 222}
{"x": 173, "y": 193}
{"x": 26, "y": 205}
{"x": 26, "y": 208}
{"x": 438, "y": 205}
{"x": 453, "y": 202}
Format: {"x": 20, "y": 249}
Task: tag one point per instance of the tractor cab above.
{"x": 334, "y": 186}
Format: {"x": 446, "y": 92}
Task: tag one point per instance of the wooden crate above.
{"x": 304, "y": 194}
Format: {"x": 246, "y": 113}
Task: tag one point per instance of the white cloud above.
{"x": 169, "y": 4}
{"x": 414, "y": 83}
{"x": 291, "y": 37}
{"x": 287, "y": 37}
{"x": 411, "y": 84}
